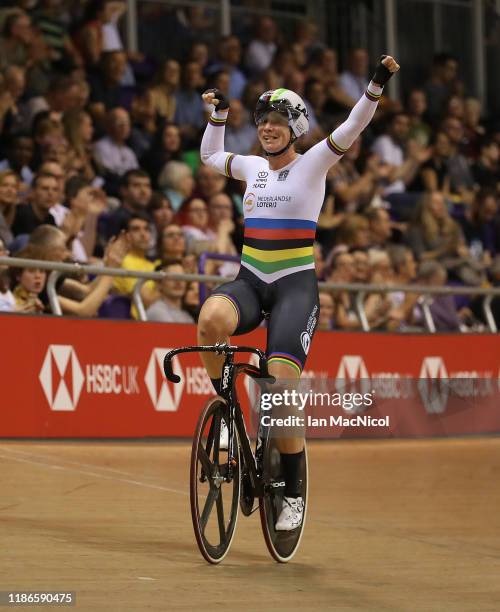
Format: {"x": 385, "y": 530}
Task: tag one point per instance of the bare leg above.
{"x": 217, "y": 321}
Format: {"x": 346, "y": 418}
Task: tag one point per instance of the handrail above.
{"x": 359, "y": 288}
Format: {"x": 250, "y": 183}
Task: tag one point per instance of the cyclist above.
{"x": 283, "y": 198}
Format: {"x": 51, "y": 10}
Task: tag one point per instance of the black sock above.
{"x": 216, "y": 383}
{"x": 291, "y": 464}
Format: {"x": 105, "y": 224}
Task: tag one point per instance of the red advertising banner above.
{"x": 100, "y": 378}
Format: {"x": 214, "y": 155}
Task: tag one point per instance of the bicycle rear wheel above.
{"x": 281, "y": 544}
{"x": 214, "y": 501}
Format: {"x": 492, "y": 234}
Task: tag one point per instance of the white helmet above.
{"x": 287, "y": 103}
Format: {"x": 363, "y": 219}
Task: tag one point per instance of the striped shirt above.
{"x": 281, "y": 207}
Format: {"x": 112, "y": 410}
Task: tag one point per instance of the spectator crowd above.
{"x": 99, "y": 163}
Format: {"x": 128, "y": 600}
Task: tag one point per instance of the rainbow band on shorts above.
{"x": 334, "y": 147}
{"x": 372, "y": 96}
{"x": 227, "y": 167}
{"x": 286, "y": 358}
{"x": 231, "y": 301}
{"x": 215, "y": 121}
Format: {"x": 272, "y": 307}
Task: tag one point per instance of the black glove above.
{"x": 382, "y": 74}
{"x": 223, "y": 102}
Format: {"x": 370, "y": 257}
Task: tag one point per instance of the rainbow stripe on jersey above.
{"x": 273, "y": 248}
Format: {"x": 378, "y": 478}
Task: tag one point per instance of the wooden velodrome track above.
{"x": 393, "y": 525}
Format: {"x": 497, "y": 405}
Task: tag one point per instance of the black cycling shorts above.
{"x": 291, "y": 304}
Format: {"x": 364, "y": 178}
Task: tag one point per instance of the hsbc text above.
{"x": 104, "y": 378}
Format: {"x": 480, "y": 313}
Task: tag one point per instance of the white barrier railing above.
{"x": 361, "y": 290}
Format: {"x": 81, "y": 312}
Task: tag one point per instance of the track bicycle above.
{"x": 230, "y": 475}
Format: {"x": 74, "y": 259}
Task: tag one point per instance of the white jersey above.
{"x": 281, "y": 207}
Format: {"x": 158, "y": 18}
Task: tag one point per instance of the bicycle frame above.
{"x": 230, "y": 372}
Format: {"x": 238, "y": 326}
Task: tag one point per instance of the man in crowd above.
{"x": 168, "y": 308}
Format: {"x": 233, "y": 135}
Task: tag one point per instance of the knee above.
{"x": 215, "y": 322}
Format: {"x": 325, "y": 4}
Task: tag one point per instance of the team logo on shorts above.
{"x": 249, "y": 202}
{"x": 305, "y": 340}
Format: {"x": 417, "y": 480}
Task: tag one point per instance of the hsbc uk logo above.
{"x": 352, "y": 372}
{"x": 433, "y": 385}
{"x": 63, "y": 378}
{"x": 166, "y": 396}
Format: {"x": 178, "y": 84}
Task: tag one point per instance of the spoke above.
{"x": 209, "y": 503}
{"x": 205, "y": 461}
{"x": 216, "y": 438}
{"x": 220, "y": 517}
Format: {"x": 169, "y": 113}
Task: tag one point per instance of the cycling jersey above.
{"x": 281, "y": 207}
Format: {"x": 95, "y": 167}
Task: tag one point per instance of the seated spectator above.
{"x": 89, "y": 38}
{"x": 106, "y": 90}
{"x": 380, "y": 226}
{"x": 479, "y": 227}
{"x": 323, "y": 66}
{"x": 354, "y": 190}
{"x": 473, "y": 130}
{"x": 160, "y": 211}
{"x": 486, "y": 170}
{"x": 29, "y": 283}
{"x": 434, "y": 175}
{"x": 194, "y": 221}
{"x": 403, "y": 159}
{"x": 362, "y": 271}
{"x": 168, "y": 308}
{"x": 7, "y": 300}
{"x": 44, "y": 195}
{"x": 79, "y": 130}
{"x": 405, "y": 270}
{"x": 326, "y": 311}
{"x": 354, "y": 80}
{"x": 420, "y": 130}
{"x": 442, "y": 84}
{"x": 229, "y": 59}
{"x": 166, "y": 146}
{"x": 461, "y": 180}
{"x": 92, "y": 296}
{"x": 172, "y": 243}
{"x": 19, "y": 155}
{"x": 209, "y": 182}
{"x": 354, "y": 232}
{"x": 9, "y": 199}
{"x": 139, "y": 235}
{"x": 191, "y": 301}
{"x": 220, "y": 220}
{"x": 144, "y": 126}
{"x": 15, "y": 41}
{"x": 261, "y": 50}
{"x": 189, "y": 107}
{"x": 49, "y": 22}
{"x": 177, "y": 182}
{"x": 435, "y": 235}
{"x": 84, "y": 204}
{"x": 241, "y": 134}
{"x": 377, "y": 305}
{"x": 164, "y": 89}
{"x": 135, "y": 192}
{"x": 62, "y": 96}
{"x": 111, "y": 153}
{"x": 442, "y": 307}
{"x": 340, "y": 269}
{"x": 58, "y": 211}
{"x": 10, "y": 105}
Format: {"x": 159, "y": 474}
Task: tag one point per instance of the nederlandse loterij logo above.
{"x": 165, "y": 396}
{"x": 433, "y": 384}
{"x": 61, "y": 377}
{"x": 352, "y": 368}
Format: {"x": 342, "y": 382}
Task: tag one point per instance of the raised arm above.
{"x": 212, "y": 144}
{"x": 330, "y": 150}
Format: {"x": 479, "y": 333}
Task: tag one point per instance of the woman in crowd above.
{"x": 166, "y": 147}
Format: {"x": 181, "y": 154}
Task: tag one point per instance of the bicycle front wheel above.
{"x": 214, "y": 492}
